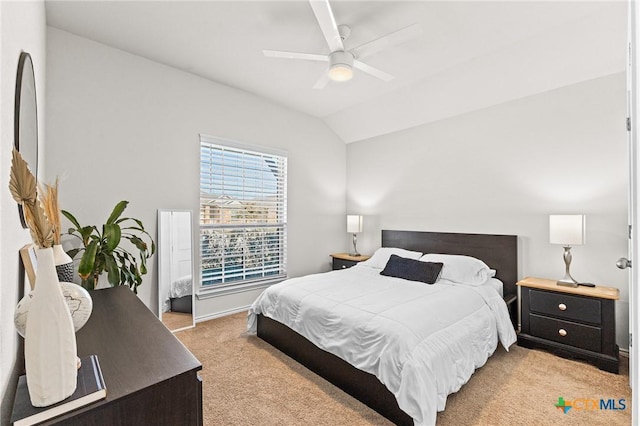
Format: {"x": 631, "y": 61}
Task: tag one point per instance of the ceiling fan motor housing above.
{"x": 340, "y": 66}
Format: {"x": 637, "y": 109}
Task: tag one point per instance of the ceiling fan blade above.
{"x": 295, "y": 55}
{"x": 322, "y": 81}
{"x": 327, "y": 23}
{"x": 392, "y": 39}
{"x": 373, "y": 71}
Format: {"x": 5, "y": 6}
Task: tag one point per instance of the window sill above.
{"x": 206, "y": 293}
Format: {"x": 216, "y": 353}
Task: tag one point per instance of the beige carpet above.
{"x": 248, "y": 382}
{"x": 176, "y": 320}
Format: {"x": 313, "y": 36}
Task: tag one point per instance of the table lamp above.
{"x": 568, "y": 230}
{"x": 354, "y": 226}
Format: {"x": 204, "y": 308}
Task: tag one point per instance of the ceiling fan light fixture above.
{"x": 340, "y": 72}
{"x": 340, "y": 66}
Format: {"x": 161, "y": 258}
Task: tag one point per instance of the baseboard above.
{"x": 624, "y": 352}
{"x": 221, "y": 314}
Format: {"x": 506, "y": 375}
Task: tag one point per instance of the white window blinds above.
{"x": 243, "y": 213}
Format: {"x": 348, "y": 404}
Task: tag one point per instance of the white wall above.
{"x": 22, "y": 28}
{"x": 123, "y": 127}
{"x": 503, "y": 170}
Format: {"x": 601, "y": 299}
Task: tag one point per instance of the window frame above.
{"x": 211, "y": 290}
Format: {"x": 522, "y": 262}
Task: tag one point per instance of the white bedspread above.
{"x": 422, "y": 341}
{"x": 181, "y": 287}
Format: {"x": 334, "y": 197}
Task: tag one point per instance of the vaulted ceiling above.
{"x": 469, "y": 55}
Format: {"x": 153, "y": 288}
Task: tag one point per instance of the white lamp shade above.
{"x": 567, "y": 229}
{"x": 354, "y": 223}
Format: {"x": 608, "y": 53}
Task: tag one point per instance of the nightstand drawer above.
{"x": 569, "y": 333}
{"x": 583, "y": 309}
{"x": 343, "y": 264}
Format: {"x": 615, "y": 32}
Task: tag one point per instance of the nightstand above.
{"x": 344, "y": 260}
{"x": 572, "y": 322}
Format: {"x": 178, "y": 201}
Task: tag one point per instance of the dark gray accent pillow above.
{"x": 413, "y": 270}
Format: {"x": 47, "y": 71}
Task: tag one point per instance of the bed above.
{"x": 358, "y": 341}
{"x": 179, "y": 298}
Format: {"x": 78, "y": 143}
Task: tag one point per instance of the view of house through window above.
{"x": 243, "y": 206}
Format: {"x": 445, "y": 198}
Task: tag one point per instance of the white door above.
{"x": 633, "y": 100}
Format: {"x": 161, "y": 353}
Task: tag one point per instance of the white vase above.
{"x": 64, "y": 264}
{"x": 50, "y": 341}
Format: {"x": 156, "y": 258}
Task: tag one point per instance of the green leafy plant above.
{"x": 102, "y": 251}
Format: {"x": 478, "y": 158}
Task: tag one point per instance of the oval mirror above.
{"x": 25, "y": 123}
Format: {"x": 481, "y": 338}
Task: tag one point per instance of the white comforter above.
{"x": 422, "y": 341}
{"x": 181, "y": 287}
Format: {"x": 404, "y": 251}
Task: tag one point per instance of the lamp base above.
{"x": 356, "y": 254}
{"x": 568, "y": 280}
{"x": 355, "y": 248}
{"x": 567, "y": 283}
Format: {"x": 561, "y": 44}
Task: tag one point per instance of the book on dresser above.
{"x": 90, "y": 388}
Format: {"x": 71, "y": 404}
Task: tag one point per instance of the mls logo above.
{"x": 582, "y": 404}
{"x": 563, "y": 405}
{"x": 610, "y": 404}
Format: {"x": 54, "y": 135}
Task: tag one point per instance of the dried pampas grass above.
{"x": 23, "y": 187}
{"x": 49, "y": 197}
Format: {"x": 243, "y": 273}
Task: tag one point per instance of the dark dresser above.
{"x": 151, "y": 378}
{"x": 572, "y": 322}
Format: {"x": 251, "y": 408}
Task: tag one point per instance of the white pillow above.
{"x": 382, "y": 255}
{"x": 461, "y": 269}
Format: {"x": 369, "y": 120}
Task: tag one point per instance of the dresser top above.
{"x": 134, "y": 348}
{"x": 545, "y": 284}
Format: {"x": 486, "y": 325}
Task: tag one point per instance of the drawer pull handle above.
{"x": 344, "y": 266}
{"x": 562, "y": 332}
{"x": 562, "y": 307}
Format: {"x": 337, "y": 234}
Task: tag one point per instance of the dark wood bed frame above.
{"x": 500, "y": 252}
{"x": 181, "y": 304}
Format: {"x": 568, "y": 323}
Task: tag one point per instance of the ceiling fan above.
{"x": 341, "y": 61}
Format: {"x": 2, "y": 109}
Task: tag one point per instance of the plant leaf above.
{"x": 112, "y": 235}
{"x": 85, "y": 268}
{"x": 117, "y": 211}
{"x": 71, "y": 219}
{"x": 74, "y": 252}
{"x": 140, "y": 245}
{"x": 49, "y": 199}
{"x": 22, "y": 183}
{"x": 113, "y": 274}
{"x": 85, "y": 233}
{"x": 24, "y": 189}
{"x": 39, "y": 226}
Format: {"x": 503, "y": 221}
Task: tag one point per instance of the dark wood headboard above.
{"x": 500, "y": 252}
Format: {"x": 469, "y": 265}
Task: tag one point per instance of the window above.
{"x": 243, "y": 214}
